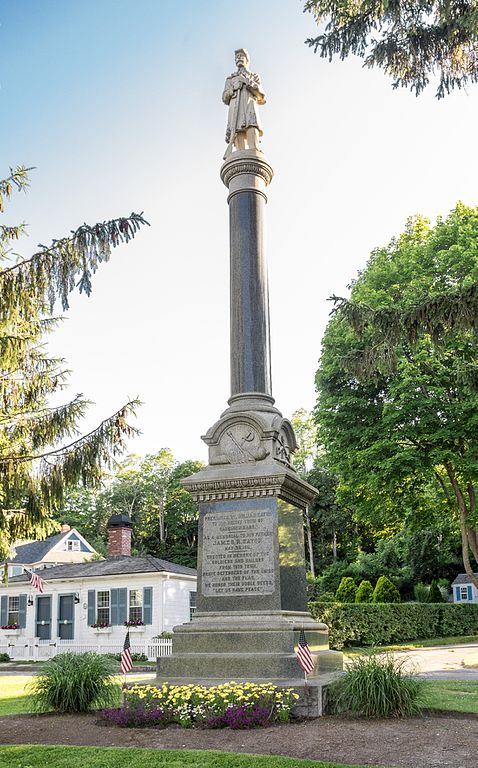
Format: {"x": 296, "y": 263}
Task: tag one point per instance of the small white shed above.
{"x": 464, "y": 591}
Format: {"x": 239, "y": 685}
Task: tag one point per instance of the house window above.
{"x": 136, "y": 605}
{"x": 103, "y": 607}
{"x": 13, "y": 610}
{"x": 72, "y": 545}
{"x": 192, "y": 605}
{"x": 16, "y": 570}
{"x": 464, "y": 593}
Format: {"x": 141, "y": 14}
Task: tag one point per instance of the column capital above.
{"x": 246, "y": 170}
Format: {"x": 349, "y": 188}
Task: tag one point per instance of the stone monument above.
{"x": 251, "y": 599}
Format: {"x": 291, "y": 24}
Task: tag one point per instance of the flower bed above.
{"x": 230, "y": 705}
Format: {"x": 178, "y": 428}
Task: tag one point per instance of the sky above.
{"x": 117, "y": 104}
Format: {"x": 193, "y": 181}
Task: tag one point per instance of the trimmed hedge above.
{"x": 388, "y": 623}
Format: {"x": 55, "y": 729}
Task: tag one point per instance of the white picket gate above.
{"x": 39, "y": 650}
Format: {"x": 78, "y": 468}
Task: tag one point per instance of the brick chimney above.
{"x": 64, "y": 528}
{"x": 119, "y": 536}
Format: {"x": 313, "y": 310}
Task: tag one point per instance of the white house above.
{"x": 91, "y": 605}
{"x": 464, "y": 591}
{"x": 68, "y": 546}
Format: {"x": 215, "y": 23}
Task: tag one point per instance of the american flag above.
{"x": 37, "y": 582}
{"x": 126, "y": 660}
{"x": 304, "y": 655}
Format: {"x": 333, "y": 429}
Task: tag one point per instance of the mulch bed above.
{"x": 432, "y": 741}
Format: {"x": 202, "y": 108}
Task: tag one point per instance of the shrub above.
{"x": 377, "y": 686}
{"x": 327, "y": 597}
{"x": 4, "y": 657}
{"x": 134, "y": 656}
{"x": 421, "y": 591}
{"x": 364, "y": 592}
{"x": 346, "y": 591}
{"x": 74, "y": 683}
{"x": 385, "y": 591}
{"x": 434, "y": 594}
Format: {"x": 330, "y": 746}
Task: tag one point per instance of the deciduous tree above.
{"x": 398, "y": 411}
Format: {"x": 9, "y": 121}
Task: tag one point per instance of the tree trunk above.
{"x": 463, "y": 526}
{"x": 309, "y": 540}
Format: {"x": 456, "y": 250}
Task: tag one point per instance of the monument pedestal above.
{"x": 251, "y": 601}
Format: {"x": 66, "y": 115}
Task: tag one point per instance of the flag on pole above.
{"x": 37, "y": 582}
{"x": 126, "y": 659}
{"x": 304, "y": 655}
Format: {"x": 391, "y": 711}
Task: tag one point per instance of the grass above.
{"x": 14, "y": 701}
{"x": 133, "y": 757}
{"x": 451, "y": 695}
{"x": 429, "y": 643}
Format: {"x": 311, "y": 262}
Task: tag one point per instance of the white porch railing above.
{"x": 39, "y": 650}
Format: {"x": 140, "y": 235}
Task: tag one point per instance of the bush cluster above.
{"x": 383, "y": 624}
{"x": 376, "y": 686}
{"x": 231, "y": 705}
{"x": 384, "y": 592}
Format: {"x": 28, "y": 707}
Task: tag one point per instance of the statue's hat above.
{"x": 243, "y": 50}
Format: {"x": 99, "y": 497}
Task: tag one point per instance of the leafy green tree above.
{"x": 398, "y": 404}
{"x": 41, "y": 451}
{"x": 346, "y": 591}
{"x": 385, "y": 591}
{"x": 364, "y": 592}
{"x": 410, "y": 41}
{"x": 148, "y": 489}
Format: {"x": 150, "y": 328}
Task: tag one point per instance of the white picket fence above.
{"x": 39, "y": 650}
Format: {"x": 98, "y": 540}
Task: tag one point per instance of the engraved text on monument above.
{"x": 238, "y": 554}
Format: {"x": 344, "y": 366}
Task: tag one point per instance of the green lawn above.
{"x": 13, "y": 700}
{"x": 452, "y": 695}
{"x": 131, "y": 757}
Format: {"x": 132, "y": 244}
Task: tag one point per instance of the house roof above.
{"x": 34, "y": 551}
{"x": 113, "y": 566}
{"x": 462, "y": 578}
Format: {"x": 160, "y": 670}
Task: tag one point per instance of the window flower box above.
{"x": 101, "y": 629}
{"x": 135, "y": 627}
{"x": 135, "y": 624}
{"x": 10, "y": 630}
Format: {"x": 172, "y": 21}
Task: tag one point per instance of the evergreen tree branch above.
{"x": 54, "y": 271}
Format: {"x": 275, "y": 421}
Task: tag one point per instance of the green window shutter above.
{"x": 470, "y": 592}
{"x": 148, "y": 605}
{"x": 4, "y": 610}
{"x": 119, "y": 606}
{"x": 122, "y": 605}
{"x": 457, "y": 594}
{"x": 114, "y": 606}
{"x": 22, "y": 611}
{"x": 91, "y": 607}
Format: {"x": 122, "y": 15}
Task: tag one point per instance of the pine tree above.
{"x": 434, "y": 594}
{"x": 346, "y": 590}
{"x": 41, "y": 450}
{"x": 410, "y": 41}
{"x": 385, "y": 591}
{"x": 364, "y": 592}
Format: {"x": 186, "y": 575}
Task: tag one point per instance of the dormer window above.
{"x": 72, "y": 546}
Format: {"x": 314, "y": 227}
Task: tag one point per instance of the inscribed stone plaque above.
{"x": 238, "y": 553}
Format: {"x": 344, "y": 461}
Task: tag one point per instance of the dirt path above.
{"x": 428, "y": 742}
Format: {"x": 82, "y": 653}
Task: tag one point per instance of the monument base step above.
{"x": 312, "y": 701}
{"x": 242, "y": 666}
